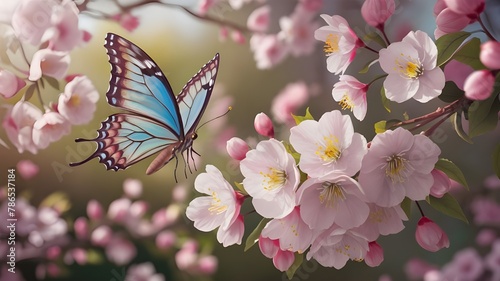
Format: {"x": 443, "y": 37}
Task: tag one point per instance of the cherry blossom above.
{"x": 269, "y": 50}
{"x": 351, "y": 94}
{"x": 32, "y": 18}
{"x": 64, "y": 35}
{"x": 50, "y": 128}
{"x": 288, "y": 101}
{"x": 479, "y": 85}
{"x": 10, "y": 84}
{"x": 490, "y": 54}
{"x": 466, "y": 265}
{"x": 48, "y": 62}
{"x": 27, "y": 169}
{"x": 258, "y": 21}
{"x": 430, "y": 236}
{"x": 377, "y": 12}
{"x": 382, "y": 221}
{"x": 263, "y": 125}
{"x": 297, "y": 30}
{"x": 143, "y": 272}
{"x": 78, "y": 102}
{"x": 237, "y": 148}
{"x": 18, "y": 123}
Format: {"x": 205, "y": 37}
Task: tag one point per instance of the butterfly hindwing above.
{"x": 138, "y": 85}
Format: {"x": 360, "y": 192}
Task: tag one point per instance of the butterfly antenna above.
{"x": 225, "y": 113}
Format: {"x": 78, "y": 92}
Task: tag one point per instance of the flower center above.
{"x": 397, "y": 168}
{"x": 216, "y": 207}
{"x": 274, "y": 179}
{"x": 75, "y": 100}
{"x": 331, "y": 151}
{"x": 331, "y": 44}
{"x": 330, "y": 194}
{"x": 346, "y": 103}
{"x": 410, "y": 67}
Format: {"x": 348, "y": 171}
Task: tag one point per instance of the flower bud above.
{"x": 10, "y": 84}
{"x": 79, "y": 256}
{"x": 448, "y": 22}
{"x": 268, "y": 247}
{"x": 430, "y": 236}
{"x": 101, "y": 235}
{"x": 207, "y": 265}
{"x": 94, "y": 210}
{"x": 118, "y": 209}
{"x": 26, "y": 168}
{"x": 470, "y": 8}
{"x": 237, "y": 148}
{"x": 441, "y": 185}
{"x": 165, "y": 239}
{"x": 81, "y": 227}
{"x": 258, "y": 21}
{"x": 490, "y": 54}
{"x": 479, "y": 85}
{"x": 377, "y": 12}
{"x": 263, "y": 125}
{"x": 283, "y": 260}
{"x": 375, "y": 255}
{"x": 132, "y": 188}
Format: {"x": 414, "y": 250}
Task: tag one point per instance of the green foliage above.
{"x": 483, "y": 115}
{"x": 469, "y": 54}
{"x": 448, "y": 206}
{"x": 298, "y": 119}
{"x": 375, "y": 37}
{"x": 367, "y": 66}
{"x": 254, "y": 236}
{"x": 406, "y": 206}
{"x": 380, "y": 127}
{"x": 456, "y": 122}
{"x": 58, "y": 201}
{"x": 448, "y": 44}
{"x": 52, "y": 82}
{"x": 452, "y": 171}
{"x": 29, "y": 92}
{"x": 385, "y": 101}
{"x": 240, "y": 187}
{"x": 299, "y": 258}
{"x": 451, "y": 92}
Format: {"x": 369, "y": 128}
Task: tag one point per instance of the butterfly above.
{"x": 156, "y": 120}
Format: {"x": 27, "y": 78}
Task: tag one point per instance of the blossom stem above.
{"x": 420, "y": 209}
{"x": 377, "y": 78}
{"x": 431, "y": 130}
{"x": 485, "y": 29}
{"x": 371, "y": 49}
{"x": 382, "y": 30}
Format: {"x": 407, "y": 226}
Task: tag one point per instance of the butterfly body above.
{"x": 156, "y": 121}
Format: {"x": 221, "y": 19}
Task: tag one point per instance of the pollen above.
{"x": 330, "y": 194}
{"x": 330, "y": 151}
{"x": 409, "y": 67}
{"x": 216, "y": 207}
{"x": 331, "y": 44}
{"x": 346, "y": 103}
{"x": 273, "y": 179}
{"x": 397, "y": 168}
{"x": 75, "y": 100}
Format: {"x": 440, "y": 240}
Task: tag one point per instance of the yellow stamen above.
{"x": 331, "y": 44}
{"x": 331, "y": 151}
{"x": 409, "y": 67}
{"x": 330, "y": 194}
{"x": 397, "y": 168}
{"x": 75, "y": 100}
{"x": 273, "y": 179}
{"x": 346, "y": 103}
{"x": 216, "y": 208}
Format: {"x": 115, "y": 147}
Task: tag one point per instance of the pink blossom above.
{"x": 416, "y": 268}
{"x": 430, "y": 236}
{"x": 138, "y": 209}
{"x": 434, "y": 275}
{"x": 237, "y": 148}
{"x": 457, "y": 72}
{"x": 258, "y": 21}
{"x": 439, "y": 6}
{"x": 237, "y": 4}
{"x": 332, "y": 199}
{"x": 27, "y": 169}
{"x": 205, "y": 5}
{"x": 329, "y": 145}
{"x": 187, "y": 257}
{"x": 311, "y": 5}
{"x": 382, "y": 221}
{"x": 18, "y": 124}
{"x": 53, "y": 252}
{"x": 351, "y": 95}
{"x": 32, "y": 18}
{"x": 120, "y": 251}
{"x": 8, "y": 8}
{"x": 288, "y": 101}
{"x": 79, "y": 255}
{"x": 128, "y": 21}
{"x": 268, "y": 247}
{"x": 485, "y": 211}
{"x": 271, "y": 178}
{"x": 466, "y": 265}
{"x": 492, "y": 260}
{"x": 64, "y": 34}
{"x": 291, "y": 231}
{"x": 94, "y": 210}
{"x": 341, "y": 43}
{"x": 297, "y": 30}
{"x": 263, "y": 125}
{"x": 143, "y": 272}
{"x": 233, "y": 234}
{"x": 490, "y": 54}
{"x": 238, "y": 37}
{"x": 132, "y": 188}
{"x": 180, "y": 193}
{"x": 78, "y": 102}
{"x": 269, "y": 50}
{"x": 165, "y": 239}
{"x": 118, "y": 209}
{"x": 101, "y": 235}
{"x": 207, "y": 265}
{"x": 441, "y": 185}
{"x": 470, "y": 8}
{"x": 48, "y": 62}
{"x": 492, "y": 182}
{"x": 398, "y": 165}
{"x": 479, "y": 85}
{"x": 448, "y": 22}
{"x": 377, "y": 12}
{"x": 50, "y": 128}
{"x": 486, "y": 236}
{"x": 283, "y": 260}
{"x": 81, "y": 227}
{"x": 10, "y": 84}
{"x": 375, "y": 255}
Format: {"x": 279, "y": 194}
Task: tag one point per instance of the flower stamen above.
{"x": 397, "y": 168}
{"x": 346, "y": 103}
{"x": 331, "y": 44}
{"x": 331, "y": 193}
{"x": 331, "y": 151}
{"x": 274, "y": 179}
{"x": 216, "y": 207}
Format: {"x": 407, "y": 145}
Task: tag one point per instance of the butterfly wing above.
{"x": 194, "y": 97}
{"x": 137, "y": 84}
{"x": 125, "y": 139}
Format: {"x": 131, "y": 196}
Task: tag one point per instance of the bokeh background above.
{"x": 180, "y": 44}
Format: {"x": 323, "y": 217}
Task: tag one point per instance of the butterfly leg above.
{"x": 175, "y": 170}
{"x": 194, "y": 162}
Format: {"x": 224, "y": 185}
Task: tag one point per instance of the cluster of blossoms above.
{"x": 45, "y": 234}
{"x": 50, "y": 29}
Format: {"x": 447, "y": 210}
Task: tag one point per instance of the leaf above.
{"x": 496, "y": 160}
{"x": 299, "y": 258}
{"x": 406, "y": 117}
{"x": 289, "y": 148}
{"x": 299, "y": 119}
{"x": 450, "y": 92}
{"x": 52, "y": 82}
{"x": 448, "y": 206}
{"x": 483, "y": 115}
{"x": 385, "y": 101}
{"x": 469, "y": 54}
{"x": 448, "y": 44}
{"x": 58, "y": 201}
{"x": 375, "y": 37}
{"x": 29, "y": 92}
{"x": 452, "y": 171}
{"x": 241, "y": 188}
{"x": 94, "y": 257}
{"x": 367, "y": 66}
{"x": 406, "y": 206}
{"x": 380, "y": 127}
{"x": 456, "y": 122}
{"x": 254, "y": 236}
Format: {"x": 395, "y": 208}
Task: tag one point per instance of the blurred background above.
{"x": 181, "y": 44}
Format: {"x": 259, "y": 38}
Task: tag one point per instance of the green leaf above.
{"x": 299, "y": 119}
{"x": 496, "y": 160}
{"x": 52, "y": 82}
{"x": 406, "y": 117}
{"x": 29, "y": 92}
{"x": 448, "y": 206}
{"x": 58, "y": 201}
{"x": 385, "y": 101}
{"x": 452, "y": 171}
{"x": 289, "y": 148}
{"x": 94, "y": 257}
{"x": 367, "y": 66}
{"x": 380, "y": 127}
{"x": 254, "y": 236}
{"x": 375, "y": 37}
{"x": 469, "y": 54}
{"x": 299, "y": 258}
{"x": 448, "y": 44}
{"x": 406, "y": 206}
{"x": 450, "y": 92}
{"x": 483, "y": 115}
{"x": 240, "y": 187}
{"x": 456, "y": 122}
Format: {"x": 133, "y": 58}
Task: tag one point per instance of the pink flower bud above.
{"x": 238, "y": 37}
{"x": 376, "y": 12}
{"x": 79, "y": 256}
{"x": 86, "y": 36}
{"x": 258, "y": 21}
{"x": 441, "y": 185}
{"x": 185, "y": 259}
{"x": 128, "y": 21}
{"x": 207, "y": 265}
{"x": 179, "y": 194}
{"x": 237, "y": 148}
{"x": 132, "y": 188}
{"x": 283, "y": 260}
{"x": 53, "y": 270}
{"x": 138, "y": 209}
{"x": 10, "y": 84}
{"x": 490, "y": 54}
{"x": 479, "y": 85}
{"x": 470, "y": 8}
{"x": 120, "y": 251}
{"x": 94, "y": 210}
{"x": 165, "y": 239}
{"x": 457, "y": 72}
{"x": 416, "y": 268}
{"x": 263, "y": 125}
{"x": 101, "y": 235}
{"x": 448, "y": 22}
{"x": 53, "y": 252}
{"x": 27, "y": 169}
{"x": 375, "y": 255}
{"x": 48, "y": 62}
{"x": 430, "y": 236}
{"x": 486, "y": 237}
{"x": 159, "y": 218}
{"x": 439, "y": 7}
{"x": 81, "y": 228}
{"x": 268, "y": 247}
{"x": 118, "y": 209}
